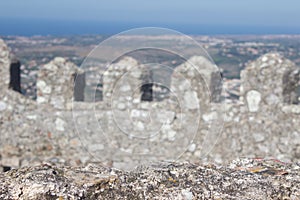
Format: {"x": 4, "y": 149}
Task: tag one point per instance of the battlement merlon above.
{"x": 55, "y": 83}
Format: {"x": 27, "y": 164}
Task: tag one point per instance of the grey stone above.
{"x": 3, "y": 106}
{"x": 192, "y": 148}
{"x": 60, "y": 124}
{"x": 191, "y": 100}
{"x": 253, "y": 100}
{"x": 241, "y": 179}
{"x": 259, "y": 137}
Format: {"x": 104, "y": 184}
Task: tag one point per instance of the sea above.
{"x": 31, "y": 27}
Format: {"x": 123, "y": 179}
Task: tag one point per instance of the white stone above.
{"x": 136, "y": 101}
{"x": 59, "y": 124}
{"x": 3, "y": 54}
{"x": 291, "y": 109}
{"x": 46, "y": 90}
{"x": 191, "y": 100}
{"x": 192, "y": 147}
{"x": 121, "y": 106}
{"x": 145, "y": 114}
{"x": 272, "y": 62}
{"x": 59, "y": 60}
{"x": 140, "y": 126}
{"x": 210, "y": 116}
{"x": 58, "y": 88}
{"x": 264, "y": 65}
{"x": 58, "y": 102}
{"x": 198, "y": 154}
{"x": 264, "y": 59}
{"x": 3, "y": 106}
{"x": 171, "y": 135}
{"x": 128, "y": 151}
{"x": 136, "y": 74}
{"x": 165, "y": 116}
{"x": 13, "y": 161}
{"x": 187, "y": 194}
{"x": 50, "y": 67}
{"x": 236, "y": 119}
{"x": 128, "y": 98}
{"x": 241, "y": 90}
{"x": 253, "y": 100}
{"x": 227, "y": 118}
{"x": 296, "y": 109}
{"x": 125, "y": 88}
{"x": 191, "y": 73}
{"x": 95, "y": 147}
{"x": 145, "y": 105}
{"x": 184, "y": 85}
{"x": 40, "y": 99}
{"x": 40, "y": 84}
{"x": 135, "y": 113}
{"x": 175, "y": 173}
{"x": 258, "y": 137}
{"x": 33, "y": 117}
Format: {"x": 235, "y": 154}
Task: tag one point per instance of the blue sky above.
{"x": 274, "y": 13}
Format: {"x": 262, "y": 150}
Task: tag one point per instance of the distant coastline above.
{"x": 30, "y": 27}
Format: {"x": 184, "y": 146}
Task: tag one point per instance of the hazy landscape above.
{"x": 231, "y": 53}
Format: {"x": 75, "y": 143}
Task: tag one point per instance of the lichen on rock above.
{"x": 241, "y": 179}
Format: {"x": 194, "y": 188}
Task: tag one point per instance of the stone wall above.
{"x": 55, "y": 83}
{"x": 4, "y": 65}
{"x": 271, "y": 80}
{"x": 266, "y": 122}
{"x": 118, "y": 131}
{"x": 121, "y": 83}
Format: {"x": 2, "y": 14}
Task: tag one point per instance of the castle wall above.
{"x": 55, "y": 83}
{"x": 4, "y": 65}
{"x": 122, "y": 82}
{"x": 265, "y": 123}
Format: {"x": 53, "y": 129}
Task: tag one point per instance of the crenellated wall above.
{"x": 266, "y": 122}
{"x": 122, "y": 128}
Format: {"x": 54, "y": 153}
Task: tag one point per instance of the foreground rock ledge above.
{"x": 241, "y": 179}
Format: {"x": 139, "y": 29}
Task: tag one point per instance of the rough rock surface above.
{"x": 241, "y": 179}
